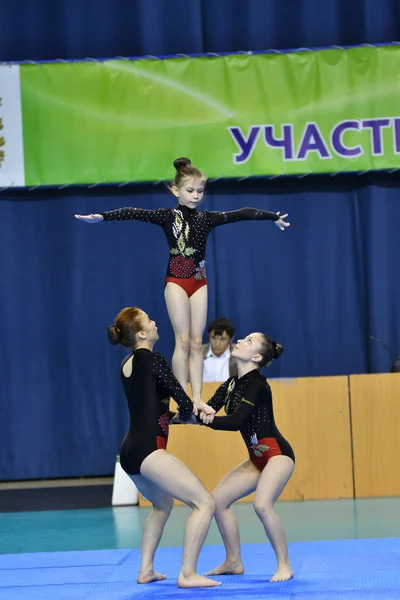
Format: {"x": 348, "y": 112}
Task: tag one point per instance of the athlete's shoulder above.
{"x": 159, "y": 360}
{"x": 258, "y": 384}
{"x": 143, "y": 354}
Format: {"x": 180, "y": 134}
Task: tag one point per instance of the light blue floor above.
{"x": 114, "y": 528}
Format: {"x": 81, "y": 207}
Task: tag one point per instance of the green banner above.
{"x": 238, "y": 115}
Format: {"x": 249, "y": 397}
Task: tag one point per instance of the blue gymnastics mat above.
{"x": 361, "y": 568}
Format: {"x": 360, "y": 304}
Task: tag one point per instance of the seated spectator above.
{"x": 218, "y": 363}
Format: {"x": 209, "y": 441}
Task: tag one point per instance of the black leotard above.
{"x": 187, "y": 231}
{"x": 248, "y": 404}
{"x": 147, "y": 391}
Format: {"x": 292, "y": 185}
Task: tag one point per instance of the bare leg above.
{"x": 239, "y": 482}
{"x": 273, "y": 479}
{"x": 178, "y": 307}
{"x": 198, "y": 319}
{"x": 177, "y": 480}
{"x": 153, "y": 527}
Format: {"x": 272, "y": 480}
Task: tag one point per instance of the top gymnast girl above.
{"x": 187, "y": 229}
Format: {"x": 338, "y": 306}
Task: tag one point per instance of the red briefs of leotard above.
{"x": 190, "y": 285}
{"x": 264, "y": 450}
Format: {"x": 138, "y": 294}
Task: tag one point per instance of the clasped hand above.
{"x": 205, "y": 412}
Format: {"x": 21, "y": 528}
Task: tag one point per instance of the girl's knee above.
{"x": 221, "y": 503}
{"x": 263, "y": 509}
{"x": 210, "y": 504}
{"x": 206, "y": 503}
{"x": 165, "y": 506}
{"x": 182, "y": 342}
{"x": 196, "y": 343}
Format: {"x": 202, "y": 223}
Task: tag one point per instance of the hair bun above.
{"x": 180, "y": 163}
{"x": 278, "y": 350}
{"x": 113, "y": 335}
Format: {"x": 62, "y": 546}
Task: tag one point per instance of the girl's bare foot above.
{"x": 150, "y": 576}
{"x": 195, "y": 580}
{"x": 228, "y": 568}
{"x": 284, "y": 573}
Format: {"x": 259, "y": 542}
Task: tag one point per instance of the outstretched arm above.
{"x": 156, "y": 216}
{"x": 164, "y": 375}
{"x": 237, "y": 419}
{"x": 234, "y": 421}
{"x": 217, "y": 400}
{"x": 247, "y": 214}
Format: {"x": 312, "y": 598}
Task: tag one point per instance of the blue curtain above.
{"x": 41, "y": 29}
{"x": 317, "y": 288}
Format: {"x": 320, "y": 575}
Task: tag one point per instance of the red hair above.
{"x": 127, "y": 324}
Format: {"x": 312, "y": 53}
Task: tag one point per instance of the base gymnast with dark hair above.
{"x": 148, "y": 383}
{"x": 247, "y": 400}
